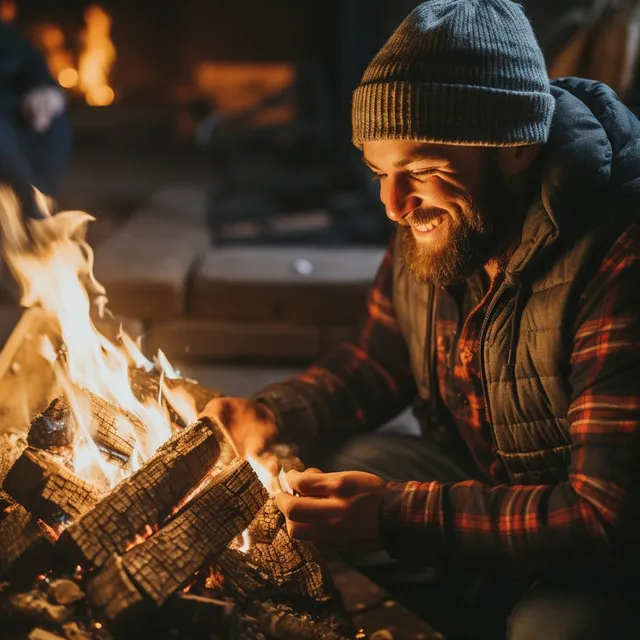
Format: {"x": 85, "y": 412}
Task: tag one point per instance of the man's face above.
{"x": 451, "y": 202}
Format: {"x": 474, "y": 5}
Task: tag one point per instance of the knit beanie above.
{"x": 466, "y": 72}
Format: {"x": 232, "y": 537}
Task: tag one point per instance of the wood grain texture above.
{"x": 145, "y": 498}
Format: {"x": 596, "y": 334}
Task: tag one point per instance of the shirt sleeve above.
{"x": 357, "y": 386}
{"x": 593, "y": 518}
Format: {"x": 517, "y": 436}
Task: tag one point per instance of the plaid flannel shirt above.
{"x": 493, "y": 524}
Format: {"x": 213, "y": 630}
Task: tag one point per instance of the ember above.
{"x": 124, "y": 501}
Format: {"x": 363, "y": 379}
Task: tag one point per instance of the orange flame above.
{"x": 96, "y": 58}
{"x": 51, "y": 40}
{"x": 54, "y": 266}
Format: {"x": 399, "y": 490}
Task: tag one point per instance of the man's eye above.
{"x": 422, "y": 174}
{"x": 376, "y": 177}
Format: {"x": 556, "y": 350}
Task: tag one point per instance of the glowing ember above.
{"x": 140, "y": 538}
{"x": 215, "y": 579}
{"x": 54, "y": 266}
{"x": 96, "y": 58}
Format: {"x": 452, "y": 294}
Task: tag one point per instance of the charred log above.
{"x": 282, "y": 623}
{"x": 56, "y": 425}
{"x": 146, "y": 385}
{"x": 155, "y": 569}
{"x": 26, "y": 552}
{"x": 168, "y": 560}
{"x": 145, "y": 498}
{"x": 275, "y": 561}
{"x": 47, "y": 488}
{"x": 113, "y": 594}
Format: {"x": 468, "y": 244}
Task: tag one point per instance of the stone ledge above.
{"x": 145, "y": 266}
{"x": 298, "y": 285}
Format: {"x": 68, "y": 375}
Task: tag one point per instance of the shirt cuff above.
{"x": 410, "y": 524}
{"x": 295, "y": 418}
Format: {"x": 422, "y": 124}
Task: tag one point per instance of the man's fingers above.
{"x": 315, "y": 511}
{"x": 313, "y": 482}
{"x": 313, "y": 533}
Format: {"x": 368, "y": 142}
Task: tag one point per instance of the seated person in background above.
{"x": 35, "y": 133}
{"x": 507, "y": 311}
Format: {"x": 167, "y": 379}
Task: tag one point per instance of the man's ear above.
{"x": 515, "y": 160}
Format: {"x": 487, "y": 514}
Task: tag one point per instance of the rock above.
{"x": 65, "y": 591}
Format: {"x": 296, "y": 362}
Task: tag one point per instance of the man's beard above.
{"x": 475, "y": 236}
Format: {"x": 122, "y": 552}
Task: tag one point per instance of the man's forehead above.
{"x": 399, "y": 153}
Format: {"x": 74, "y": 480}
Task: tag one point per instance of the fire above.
{"x": 90, "y": 75}
{"x": 51, "y": 40}
{"x": 54, "y": 267}
{"x": 96, "y": 58}
{"x": 246, "y": 542}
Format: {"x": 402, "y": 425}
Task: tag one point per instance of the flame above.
{"x": 54, "y": 266}
{"x": 51, "y": 40}
{"x": 139, "y": 538}
{"x": 182, "y": 403}
{"x": 96, "y": 57}
{"x": 242, "y": 542}
{"x": 68, "y": 78}
{"x": 89, "y": 76}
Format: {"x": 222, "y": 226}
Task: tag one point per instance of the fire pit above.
{"x": 125, "y": 515}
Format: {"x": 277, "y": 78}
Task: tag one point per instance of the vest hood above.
{"x": 593, "y": 150}
{"x": 592, "y": 157}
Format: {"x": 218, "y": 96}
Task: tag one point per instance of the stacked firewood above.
{"x": 128, "y": 558}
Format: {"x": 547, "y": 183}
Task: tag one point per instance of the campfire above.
{"x": 126, "y": 515}
{"x": 86, "y": 73}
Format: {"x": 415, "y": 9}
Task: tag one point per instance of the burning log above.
{"x": 55, "y": 427}
{"x": 146, "y": 386}
{"x": 276, "y": 561}
{"x": 47, "y": 488}
{"x": 282, "y": 623}
{"x": 168, "y": 560}
{"x": 200, "y": 395}
{"x": 158, "y": 567}
{"x": 145, "y": 498}
{"x": 113, "y": 593}
{"x": 26, "y": 552}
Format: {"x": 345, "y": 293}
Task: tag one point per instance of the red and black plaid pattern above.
{"x": 595, "y": 513}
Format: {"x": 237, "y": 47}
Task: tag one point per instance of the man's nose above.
{"x": 398, "y": 196}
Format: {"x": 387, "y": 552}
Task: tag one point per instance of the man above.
{"x": 507, "y": 310}
{"x": 35, "y": 132}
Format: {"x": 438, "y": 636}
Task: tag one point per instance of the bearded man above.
{"x": 507, "y": 311}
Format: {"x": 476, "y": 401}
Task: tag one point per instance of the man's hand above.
{"x": 340, "y": 509}
{"x": 41, "y": 105}
{"x": 251, "y": 425}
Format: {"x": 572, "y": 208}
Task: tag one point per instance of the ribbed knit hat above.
{"x": 457, "y": 72}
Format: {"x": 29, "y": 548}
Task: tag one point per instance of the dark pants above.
{"x": 469, "y": 605}
{"x": 28, "y": 157}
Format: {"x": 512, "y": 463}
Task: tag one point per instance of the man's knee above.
{"x": 555, "y": 614}
{"x": 364, "y": 453}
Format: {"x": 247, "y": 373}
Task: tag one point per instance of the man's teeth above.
{"x": 429, "y": 226}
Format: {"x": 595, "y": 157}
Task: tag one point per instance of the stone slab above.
{"x": 298, "y": 285}
{"x": 145, "y": 266}
{"x": 185, "y": 202}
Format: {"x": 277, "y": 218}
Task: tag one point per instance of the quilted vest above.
{"x": 525, "y": 345}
